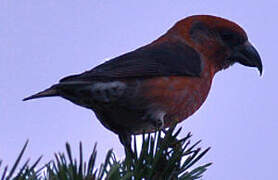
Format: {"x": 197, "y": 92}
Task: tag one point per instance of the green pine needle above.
{"x": 162, "y": 156}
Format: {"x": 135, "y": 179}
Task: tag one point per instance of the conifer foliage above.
{"x": 162, "y": 155}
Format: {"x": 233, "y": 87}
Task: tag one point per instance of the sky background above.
{"x": 43, "y": 41}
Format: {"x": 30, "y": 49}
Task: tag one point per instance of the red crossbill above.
{"x": 162, "y": 83}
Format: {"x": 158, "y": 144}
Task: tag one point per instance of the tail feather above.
{"x": 52, "y": 91}
{"x": 59, "y": 89}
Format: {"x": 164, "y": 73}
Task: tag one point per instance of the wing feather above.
{"x": 166, "y": 59}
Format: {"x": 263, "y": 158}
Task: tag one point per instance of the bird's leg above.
{"x": 125, "y": 140}
{"x": 158, "y": 123}
{"x": 156, "y": 119}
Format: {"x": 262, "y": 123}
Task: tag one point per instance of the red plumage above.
{"x": 162, "y": 83}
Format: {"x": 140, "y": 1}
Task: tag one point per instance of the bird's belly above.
{"x": 179, "y": 97}
{"x": 174, "y": 98}
{"x": 132, "y": 106}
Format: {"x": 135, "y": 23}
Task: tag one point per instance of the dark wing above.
{"x": 166, "y": 59}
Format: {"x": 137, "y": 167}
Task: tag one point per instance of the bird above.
{"x": 162, "y": 83}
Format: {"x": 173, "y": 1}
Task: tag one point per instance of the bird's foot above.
{"x": 156, "y": 119}
{"x": 158, "y": 123}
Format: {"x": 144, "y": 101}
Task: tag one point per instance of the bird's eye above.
{"x": 227, "y": 36}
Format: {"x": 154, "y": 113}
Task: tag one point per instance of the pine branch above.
{"x": 161, "y": 156}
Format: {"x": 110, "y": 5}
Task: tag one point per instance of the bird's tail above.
{"x": 64, "y": 89}
{"x": 52, "y": 91}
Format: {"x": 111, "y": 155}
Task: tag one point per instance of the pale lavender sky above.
{"x": 42, "y": 41}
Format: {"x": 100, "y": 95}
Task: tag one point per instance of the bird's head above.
{"x": 223, "y": 41}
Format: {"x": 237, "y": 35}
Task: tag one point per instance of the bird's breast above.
{"x": 178, "y": 96}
